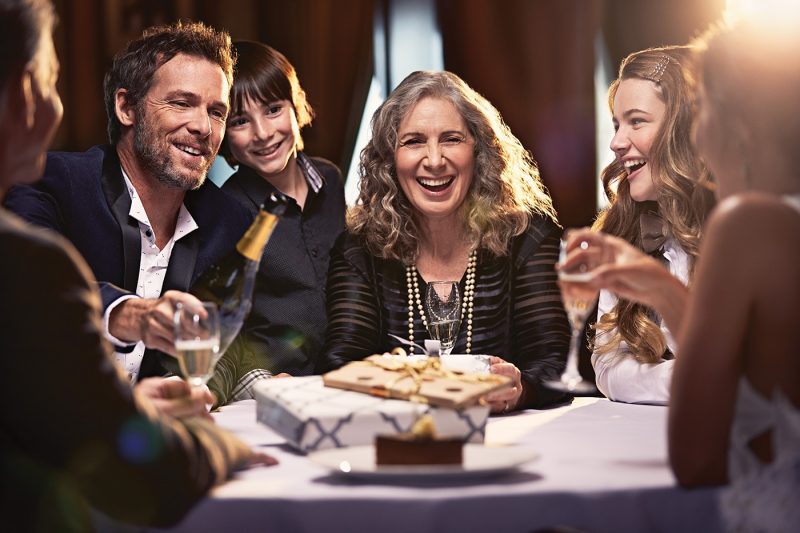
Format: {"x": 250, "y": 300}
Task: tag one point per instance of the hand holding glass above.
{"x": 443, "y": 307}
{"x": 578, "y": 302}
{"x": 197, "y": 337}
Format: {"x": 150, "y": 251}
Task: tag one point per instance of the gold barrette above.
{"x": 659, "y": 68}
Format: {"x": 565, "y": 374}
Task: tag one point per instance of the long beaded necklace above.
{"x": 466, "y": 302}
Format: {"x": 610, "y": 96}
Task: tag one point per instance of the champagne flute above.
{"x": 578, "y": 303}
{"x": 197, "y": 341}
{"x": 443, "y": 307}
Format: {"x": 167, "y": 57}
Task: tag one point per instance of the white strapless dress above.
{"x": 763, "y": 497}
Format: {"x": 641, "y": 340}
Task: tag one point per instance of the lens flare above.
{"x": 774, "y": 13}
{"x": 139, "y": 442}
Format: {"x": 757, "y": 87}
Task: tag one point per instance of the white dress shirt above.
{"x": 153, "y": 265}
{"x": 618, "y": 374}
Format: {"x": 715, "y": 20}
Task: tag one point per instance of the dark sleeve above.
{"x": 239, "y": 359}
{"x": 67, "y": 407}
{"x": 354, "y": 313}
{"x": 37, "y": 203}
{"x": 540, "y": 329}
{"x": 224, "y": 378}
{"x": 109, "y": 293}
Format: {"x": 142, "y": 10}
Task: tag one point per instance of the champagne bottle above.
{"x": 229, "y": 282}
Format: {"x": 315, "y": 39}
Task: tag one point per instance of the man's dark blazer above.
{"x": 83, "y": 196}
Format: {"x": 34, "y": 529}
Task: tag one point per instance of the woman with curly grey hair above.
{"x": 448, "y": 193}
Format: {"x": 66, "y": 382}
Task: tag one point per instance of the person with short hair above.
{"x": 140, "y": 210}
{"x": 286, "y": 326}
{"x": 75, "y": 437}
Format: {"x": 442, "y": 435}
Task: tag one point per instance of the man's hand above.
{"x": 175, "y": 397}
{"x": 149, "y": 320}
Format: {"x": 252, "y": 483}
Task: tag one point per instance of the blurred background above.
{"x": 545, "y": 64}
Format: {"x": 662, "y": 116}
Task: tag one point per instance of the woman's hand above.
{"x": 629, "y": 273}
{"x": 508, "y": 399}
{"x": 621, "y": 268}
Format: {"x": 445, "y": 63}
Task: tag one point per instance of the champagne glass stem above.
{"x": 571, "y": 374}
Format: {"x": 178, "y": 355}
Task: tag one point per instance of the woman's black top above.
{"x": 517, "y": 315}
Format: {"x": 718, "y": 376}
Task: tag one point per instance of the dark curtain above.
{"x": 79, "y": 40}
{"x": 534, "y": 60}
{"x": 631, "y": 25}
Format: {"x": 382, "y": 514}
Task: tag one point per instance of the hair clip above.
{"x": 659, "y": 68}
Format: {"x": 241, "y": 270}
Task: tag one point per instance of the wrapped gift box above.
{"x": 424, "y": 381}
{"x": 314, "y": 417}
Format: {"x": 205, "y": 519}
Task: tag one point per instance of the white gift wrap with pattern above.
{"x": 313, "y": 417}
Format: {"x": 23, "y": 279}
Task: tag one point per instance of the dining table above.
{"x": 592, "y": 465}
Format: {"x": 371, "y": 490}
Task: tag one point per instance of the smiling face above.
{"x": 264, "y": 137}
{"x": 434, "y": 158}
{"x": 180, "y": 122}
{"x": 638, "y": 115}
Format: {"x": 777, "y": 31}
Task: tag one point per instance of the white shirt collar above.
{"x": 184, "y": 225}
{"x": 678, "y": 260}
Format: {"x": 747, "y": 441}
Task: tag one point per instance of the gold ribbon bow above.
{"x": 418, "y": 371}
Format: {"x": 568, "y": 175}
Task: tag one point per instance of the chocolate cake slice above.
{"x": 411, "y": 449}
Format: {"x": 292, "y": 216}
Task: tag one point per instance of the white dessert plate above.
{"x": 479, "y": 461}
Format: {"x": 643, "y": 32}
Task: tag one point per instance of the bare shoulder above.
{"x": 753, "y": 220}
{"x": 752, "y": 207}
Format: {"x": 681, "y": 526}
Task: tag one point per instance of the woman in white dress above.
{"x": 659, "y": 201}
{"x": 735, "y": 398}
{"x": 736, "y": 390}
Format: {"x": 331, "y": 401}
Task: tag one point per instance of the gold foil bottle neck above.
{"x": 252, "y": 243}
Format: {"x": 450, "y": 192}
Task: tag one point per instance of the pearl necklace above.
{"x": 466, "y": 302}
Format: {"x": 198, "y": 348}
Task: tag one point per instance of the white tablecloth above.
{"x": 602, "y": 467}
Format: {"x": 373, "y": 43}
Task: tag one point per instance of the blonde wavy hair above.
{"x": 682, "y": 184}
{"x": 505, "y": 190}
